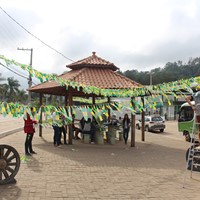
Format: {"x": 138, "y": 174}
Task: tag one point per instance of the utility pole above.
{"x": 151, "y": 78}
{"x": 30, "y": 78}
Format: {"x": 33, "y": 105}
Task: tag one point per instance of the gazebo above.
{"x": 90, "y": 71}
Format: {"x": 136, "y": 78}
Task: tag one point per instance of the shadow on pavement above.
{"x": 10, "y": 192}
{"x": 144, "y": 155}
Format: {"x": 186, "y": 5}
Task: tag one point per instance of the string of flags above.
{"x": 161, "y": 89}
{"x": 43, "y": 114}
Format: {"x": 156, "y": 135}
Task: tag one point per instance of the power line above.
{"x": 35, "y": 36}
{"x": 18, "y": 71}
{"x": 15, "y": 72}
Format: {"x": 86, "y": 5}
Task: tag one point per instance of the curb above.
{"x": 6, "y": 133}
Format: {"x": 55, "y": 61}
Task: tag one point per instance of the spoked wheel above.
{"x": 9, "y": 163}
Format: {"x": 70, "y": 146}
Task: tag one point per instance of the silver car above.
{"x": 152, "y": 123}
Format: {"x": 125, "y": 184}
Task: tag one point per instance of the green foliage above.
{"x": 9, "y": 91}
{"x": 170, "y": 72}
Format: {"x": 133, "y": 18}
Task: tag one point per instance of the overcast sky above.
{"x": 132, "y": 34}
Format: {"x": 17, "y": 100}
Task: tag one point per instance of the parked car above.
{"x": 138, "y": 124}
{"x": 152, "y": 123}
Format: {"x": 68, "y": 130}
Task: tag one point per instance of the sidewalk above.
{"x": 154, "y": 169}
{"x": 10, "y": 125}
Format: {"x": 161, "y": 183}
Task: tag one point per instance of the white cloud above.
{"x": 133, "y": 34}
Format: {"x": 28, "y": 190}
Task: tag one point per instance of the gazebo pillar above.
{"x": 143, "y": 123}
{"x": 93, "y": 103}
{"x": 40, "y": 121}
{"x": 70, "y": 125}
{"x": 132, "y": 125}
{"x": 93, "y": 100}
{"x": 109, "y": 110}
{"x": 66, "y": 111}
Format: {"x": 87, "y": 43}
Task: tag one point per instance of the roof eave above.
{"x": 112, "y": 67}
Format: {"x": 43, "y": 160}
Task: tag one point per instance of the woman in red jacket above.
{"x": 29, "y": 130}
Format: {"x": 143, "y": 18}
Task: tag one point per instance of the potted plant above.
{"x": 112, "y": 130}
{"x": 100, "y": 129}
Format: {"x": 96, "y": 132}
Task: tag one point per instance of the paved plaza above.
{"x": 154, "y": 169}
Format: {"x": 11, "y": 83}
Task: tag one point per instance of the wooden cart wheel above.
{"x": 9, "y": 163}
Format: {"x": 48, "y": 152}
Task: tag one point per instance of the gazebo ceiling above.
{"x": 99, "y": 75}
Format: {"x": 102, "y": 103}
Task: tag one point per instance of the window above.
{"x": 186, "y": 114}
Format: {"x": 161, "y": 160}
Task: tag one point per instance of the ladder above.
{"x": 193, "y": 153}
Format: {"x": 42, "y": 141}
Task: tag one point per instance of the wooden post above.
{"x": 40, "y": 121}
{"x": 175, "y": 103}
{"x": 70, "y": 125}
{"x": 108, "y": 110}
{"x": 93, "y": 100}
{"x": 66, "y": 111}
{"x": 143, "y": 132}
{"x": 93, "y": 103}
{"x": 132, "y": 125}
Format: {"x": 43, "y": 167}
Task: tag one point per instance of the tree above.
{"x": 4, "y": 92}
{"x": 2, "y": 78}
{"x": 2, "y": 88}
{"x": 21, "y": 96}
{"x": 13, "y": 88}
{"x": 172, "y": 71}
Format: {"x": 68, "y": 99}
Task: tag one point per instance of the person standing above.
{"x": 195, "y": 107}
{"x": 166, "y": 117}
{"x": 56, "y": 128}
{"x": 120, "y": 128}
{"x": 82, "y": 123}
{"x": 75, "y": 129}
{"x": 29, "y": 130}
{"x": 93, "y": 129}
{"x": 87, "y": 128}
{"x": 126, "y": 127}
{"x": 62, "y": 129}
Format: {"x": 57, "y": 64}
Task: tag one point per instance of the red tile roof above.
{"x": 104, "y": 78}
{"x": 101, "y": 78}
{"x": 93, "y": 61}
{"x": 92, "y": 71}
